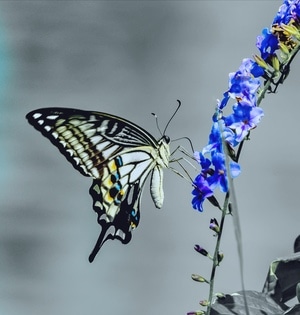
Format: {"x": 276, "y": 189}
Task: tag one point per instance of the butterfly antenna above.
{"x": 157, "y": 125}
{"x": 179, "y": 104}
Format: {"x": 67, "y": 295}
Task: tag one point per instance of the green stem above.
{"x": 215, "y": 257}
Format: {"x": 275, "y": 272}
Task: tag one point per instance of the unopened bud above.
{"x": 214, "y": 225}
{"x": 260, "y": 62}
{"x": 284, "y": 49}
{"x": 291, "y": 29}
{"x": 220, "y": 257}
{"x": 204, "y": 303}
{"x": 200, "y": 250}
{"x": 275, "y": 63}
{"x": 198, "y": 278}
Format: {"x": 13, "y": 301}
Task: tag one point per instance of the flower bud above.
{"x": 214, "y": 225}
{"x": 261, "y": 62}
{"x": 284, "y": 49}
{"x": 198, "y": 278}
{"x": 220, "y": 257}
{"x": 196, "y": 313}
{"x": 291, "y": 29}
{"x": 200, "y": 250}
{"x": 275, "y": 63}
{"x": 204, "y": 303}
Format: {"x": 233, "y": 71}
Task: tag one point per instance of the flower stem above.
{"x": 215, "y": 257}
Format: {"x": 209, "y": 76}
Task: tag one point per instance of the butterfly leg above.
{"x": 186, "y": 174}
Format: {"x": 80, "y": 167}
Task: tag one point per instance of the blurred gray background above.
{"x": 130, "y": 59}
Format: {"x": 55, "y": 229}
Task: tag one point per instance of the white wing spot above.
{"x": 97, "y": 189}
{"x": 103, "y": 126}
{"x": 53, "y": 117}
{"x": 77, "y": 160}
{"x": 95, "y": 172}
{"x": 98, "y": 204}
{"x": 71, "y": 152}
{"x": 64, "y": 143}
{"x": 37, "y": 115}
{"x": 120, "y": 234}
{"x": 93, "y": 118}
{"x": 115, "y": 127}
{"x": 83, "y": 167}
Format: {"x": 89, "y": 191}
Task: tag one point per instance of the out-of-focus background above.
{"x": 132, "y": 58}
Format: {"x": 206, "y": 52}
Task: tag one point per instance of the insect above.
{"x": 119, "y": 156}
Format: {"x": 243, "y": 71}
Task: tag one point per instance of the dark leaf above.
{"x": 297, "y": 244}
{"x": 258, "y": 303}
{"x": 283, "y": 277}
{"x": 293, "y": 310}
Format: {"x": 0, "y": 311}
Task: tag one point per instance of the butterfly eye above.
{"x": 167, "y": 139}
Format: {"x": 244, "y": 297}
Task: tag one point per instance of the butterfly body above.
{"x": 119, "y": 156}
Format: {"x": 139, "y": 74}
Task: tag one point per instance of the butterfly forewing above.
{"x": 117, "y": 153}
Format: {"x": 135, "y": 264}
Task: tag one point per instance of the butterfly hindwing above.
{"x": 125, "y": 220}
{"x": 118, "y": 154}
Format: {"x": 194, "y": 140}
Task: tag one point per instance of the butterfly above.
{"x": 119, "y": 156}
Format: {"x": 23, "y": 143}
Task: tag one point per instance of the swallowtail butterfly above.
{"x": 117, "y": 154}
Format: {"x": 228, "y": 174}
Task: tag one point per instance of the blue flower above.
{"x": 250, "y": 66}
{"x": 215, "y": 138}
{"x": 219, "y": 177}
{"x": 200, "y": 192}
{"x": 232, "y": 129}
{"x": 202, "y": 160}
{"x": 267, "y": 44}
{"x": 290, "y": 9}
{"x": 213, "y": 175}
{"x": 224, "y": 101}
{"x": 242, "y": 84}
{"x": 243, "y": 119}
